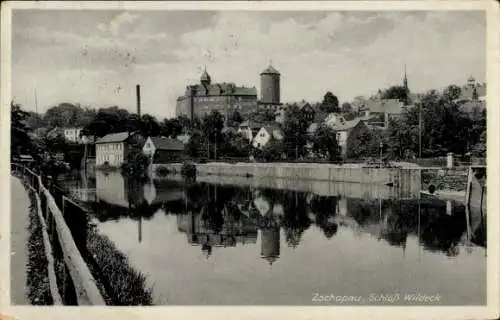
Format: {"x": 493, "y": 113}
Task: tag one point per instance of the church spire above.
{"x": 405, "y": 79}
{"x": 405, "y": 85}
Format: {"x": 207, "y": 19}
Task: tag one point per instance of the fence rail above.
{"x": 76, "y": 286}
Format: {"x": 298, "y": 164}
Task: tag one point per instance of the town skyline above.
{"x": 97, "y": 58}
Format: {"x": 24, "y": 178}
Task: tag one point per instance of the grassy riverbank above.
{"x": 124, "y": 285}
{"x": 38, "y": 288}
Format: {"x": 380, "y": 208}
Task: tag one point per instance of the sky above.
{"x": 96, "y": 58}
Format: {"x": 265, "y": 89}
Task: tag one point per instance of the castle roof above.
{"x": 222, "y": 89}
{"x": 270, "y": 70}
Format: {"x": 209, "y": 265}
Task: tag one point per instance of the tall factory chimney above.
{"x": 138, "y": 93}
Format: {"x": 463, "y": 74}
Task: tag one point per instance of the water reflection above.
{"x": 258, "y": 242}
{"x": 214, "y": 215}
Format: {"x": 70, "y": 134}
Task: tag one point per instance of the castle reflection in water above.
{"x": 219, "y": 216}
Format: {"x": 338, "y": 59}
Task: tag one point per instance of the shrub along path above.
{"x": 20, "y": 208}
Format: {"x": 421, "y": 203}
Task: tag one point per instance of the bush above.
{"x": 188, "y": 170}
{"x": 136, "y": 166}
{"x": 162, "y": 171}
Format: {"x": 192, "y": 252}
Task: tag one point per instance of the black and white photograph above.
{"x": 248, "y": 156}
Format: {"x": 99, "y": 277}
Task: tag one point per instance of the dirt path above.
{"x": 20, "y": 204}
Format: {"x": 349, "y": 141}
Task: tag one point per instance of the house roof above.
{"x": 272, "y": 127}
{"x": 251, "y": 124}
{"x": 229, "y": 129}
{"x": 304, "y": 104}
{"x": 347, "y": 125}
{"x": 313, "y": 127}
{"x": 184, "y": 138}
{"x": 391, "y": 106}
{"x": 114, "y": 137}
{"x": 162, "y": 143}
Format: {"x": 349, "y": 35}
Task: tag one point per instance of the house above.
{"x": 249, "y": 129}
{"x": 163, "y": 150}
{"x": 229, "y": 130}
{"x": 345, "y": 130}
{"x": 280, "y": 116}
{"x": 307, "y": 110}
{"x": 184, "y": 138}
{"x": 313, "y": 127}
{"x": 378, "y": 112}
{"x": 267, "y": 134}
{"x": 113, "y": 149}
{"x": 72, "y": 134}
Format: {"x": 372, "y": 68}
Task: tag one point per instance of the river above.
{"x": 244, "y": 244}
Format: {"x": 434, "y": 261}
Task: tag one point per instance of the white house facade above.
{"x": 111, "y": 150}
{"x": 265, "y": 135}
{"x": 72, "y": 135}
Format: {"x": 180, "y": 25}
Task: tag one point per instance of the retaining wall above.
{"x": 405, "y": 180}
{"x": 445, "y": 179}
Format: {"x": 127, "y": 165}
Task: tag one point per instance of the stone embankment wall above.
{"x": 445, "y": 179}
{"x": 405, "y": 180}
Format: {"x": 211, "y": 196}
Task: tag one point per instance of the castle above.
{"x": 203, "y": 98}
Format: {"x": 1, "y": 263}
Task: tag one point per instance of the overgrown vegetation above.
{"x": 188, "y": 170}
{"x": 126, "y": 286}
{"x": 136, "y": 166}
{"x": 38, "y": 288}
{"x": 162, "y": 171}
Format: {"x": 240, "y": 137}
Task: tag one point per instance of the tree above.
{"x": 262, "y": 116}
{"x": 34, "y": 120}
{"x": 20, "y": 141}
{"x": 480, "y": 147}
{"x": 68, "y": 114}
{"x": 271, "y": 152}
{"x": 346, "y": 107}
{"x": 295, "y": 133}
{"x": 362, "y": 144}
{"x": 234, "y": 119}
{"x": 111, "y": 120}
{"x": 445, "y": 128}
{"x": 171, "y": 127}
{"x": 330, "y": 103}
{"x": 149, "y": 126}
{"x": 452, "y": 92}
{"x": 396, "y": 92}
{"x": 325, "y": 143}
{"x": 235, "y": 145}
{"x": 212, "y": 125}
{"x": 194, "y": 147}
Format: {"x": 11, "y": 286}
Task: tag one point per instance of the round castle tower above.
{"x": 270, "y": 86}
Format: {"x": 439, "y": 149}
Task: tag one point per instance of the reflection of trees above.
{"x": 325, "y": 208}
{"x": 364, "y": 211}
{"x": 295, "y": 220}
{"x": 441, "y": 232}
